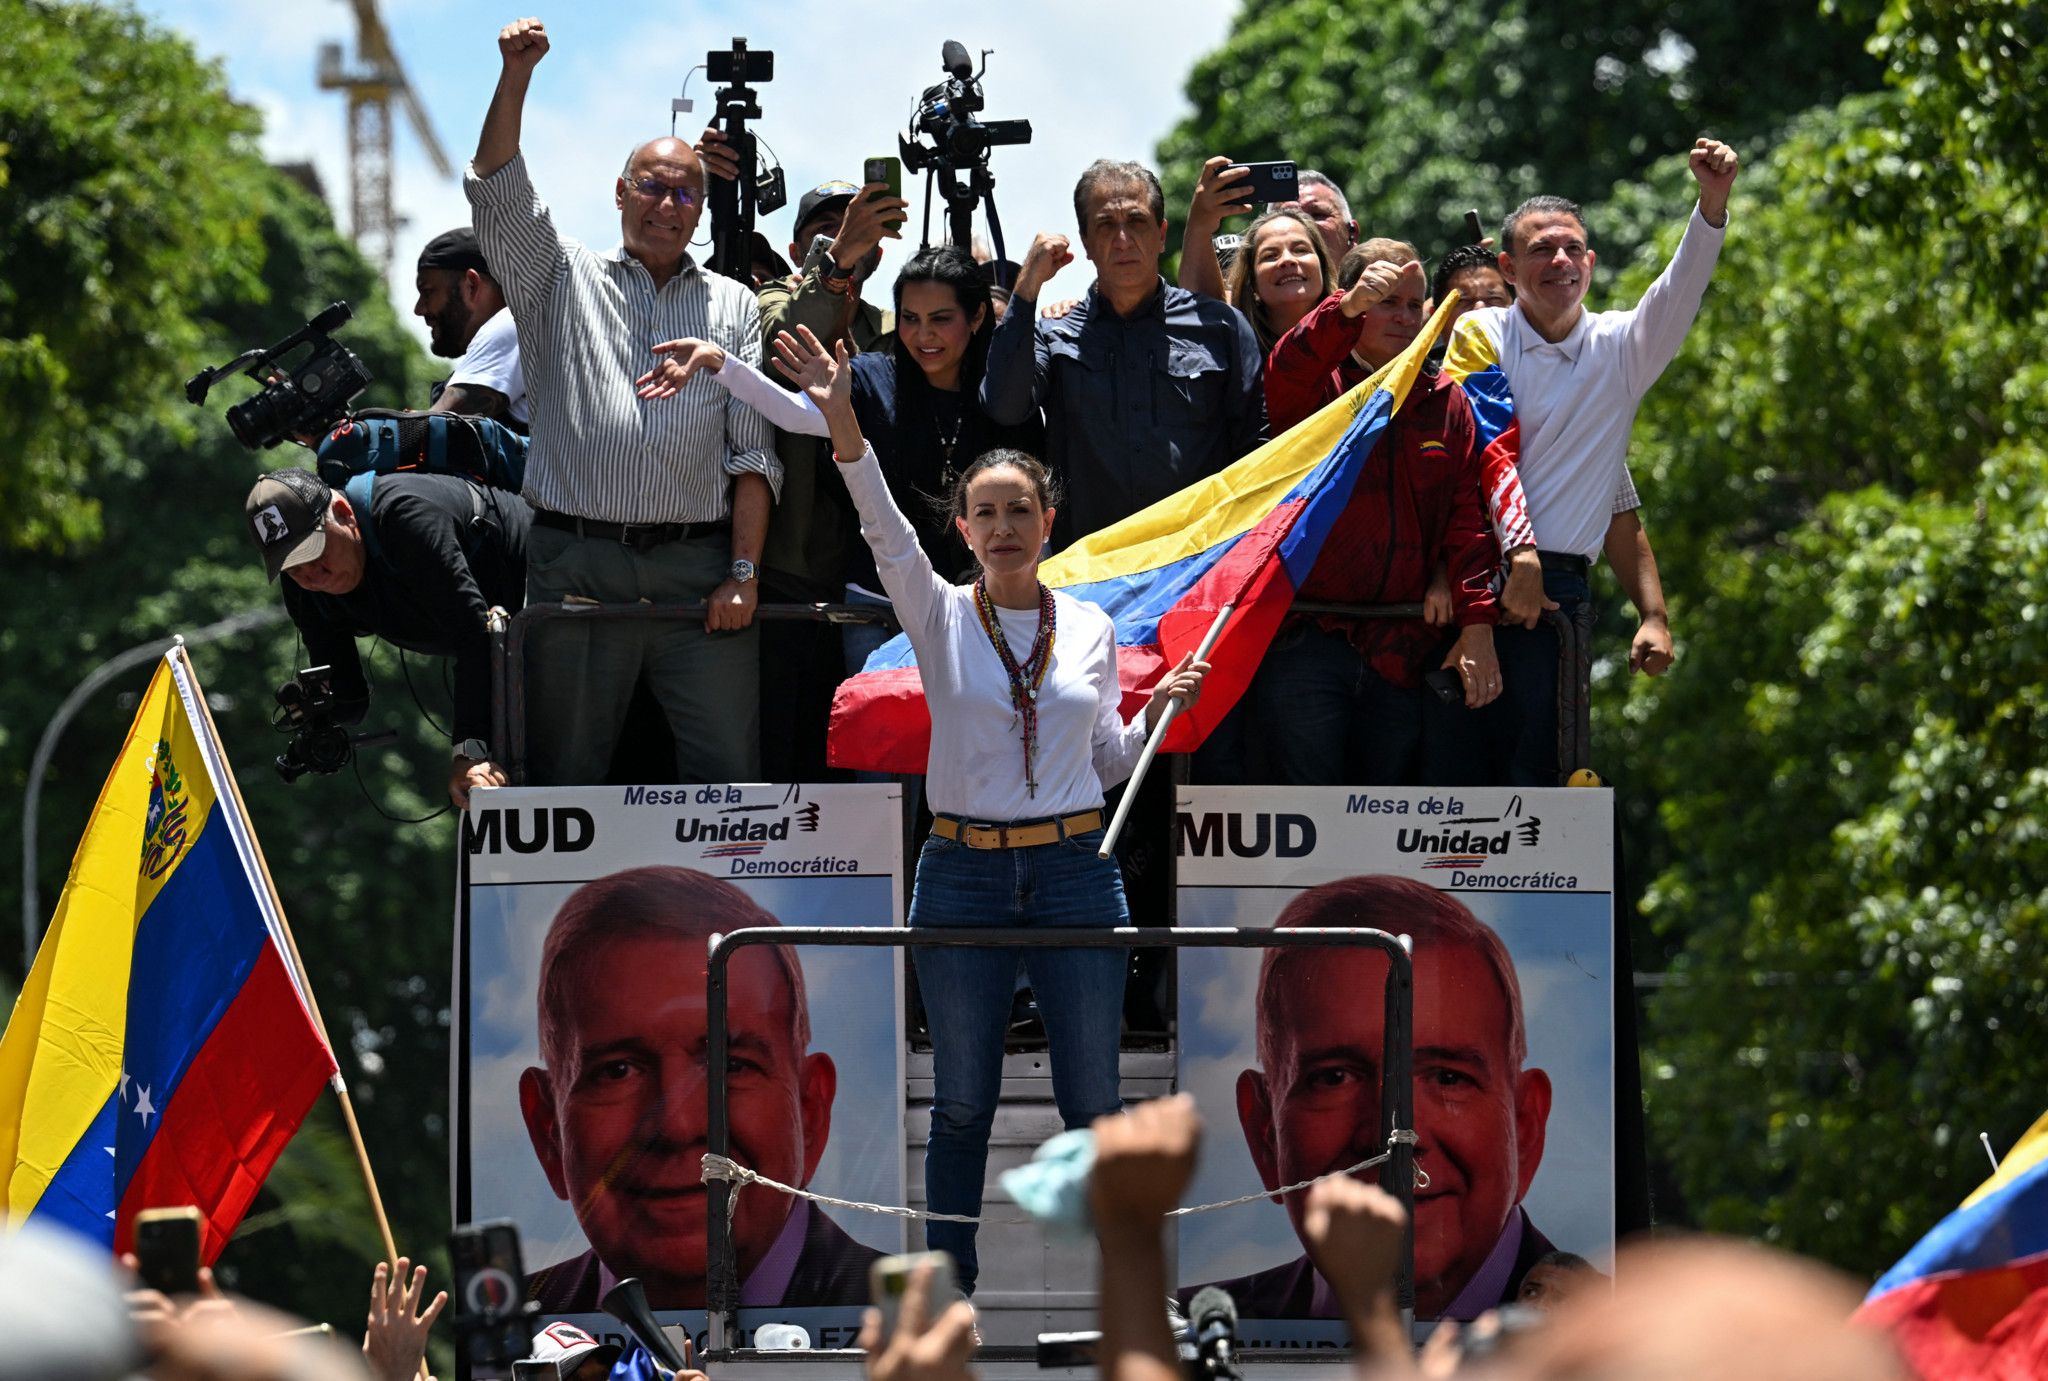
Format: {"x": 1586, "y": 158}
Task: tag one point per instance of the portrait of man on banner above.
{"x": 617, "y": 1109}
{"x": 1311, "y": 1104}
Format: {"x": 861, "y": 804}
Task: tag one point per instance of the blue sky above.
{"x": 1094, "y": 80}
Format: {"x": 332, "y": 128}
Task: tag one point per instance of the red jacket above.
{"x": 1311, "y": 365}
{"x": 1417, "y": 503}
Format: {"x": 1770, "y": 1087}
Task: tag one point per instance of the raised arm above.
{"x": 913, "y": 586}
{"x": 1216, "y": 196}
{"x": 1657, "y": 328}
{"x": 521, "y": 46}
{"x": 1013, "y": 382}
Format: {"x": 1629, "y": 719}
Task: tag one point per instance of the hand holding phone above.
{"x": 889, "y": 1281}
{"x": 167, "y": 1249}
{"x": 888, "y": 171}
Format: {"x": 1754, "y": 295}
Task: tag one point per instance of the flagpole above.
{"x": 348, "y": 1111}
{"x": 1158, "y": 735}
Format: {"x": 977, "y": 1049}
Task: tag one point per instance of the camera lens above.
{"x": 260, "y": 421}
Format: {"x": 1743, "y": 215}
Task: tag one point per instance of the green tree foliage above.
{"x": 1422, "y": 108}
{"x": 1846, "y": 478}
{"x": 129, "y": 197}
{"x": 176, "y": 248}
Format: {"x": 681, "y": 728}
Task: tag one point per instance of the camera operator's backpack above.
{"x": 382, "y": 441}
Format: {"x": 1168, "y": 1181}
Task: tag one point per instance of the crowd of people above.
{"x": 665, "y": 466}
{"x": 695, "y": 439}
{"x": 1681, "y": 1308}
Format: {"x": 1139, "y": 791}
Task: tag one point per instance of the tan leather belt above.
{"x": 1016, "y": 836}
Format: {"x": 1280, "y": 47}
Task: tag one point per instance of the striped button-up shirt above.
{"x": 587, "y": 324}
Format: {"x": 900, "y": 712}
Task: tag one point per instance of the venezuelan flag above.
{"x": 161, "y": 1052}
{"x": 1247, "y": 536}
{"x": 1473, "y": 361}
{"x": 1971, "y": 1300}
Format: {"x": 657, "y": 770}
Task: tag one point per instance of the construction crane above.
{"x": 371, "y": 85}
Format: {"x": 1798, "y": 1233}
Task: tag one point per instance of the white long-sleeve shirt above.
{"x": 1576, "y": 399}
{"x": 976, "y": 768}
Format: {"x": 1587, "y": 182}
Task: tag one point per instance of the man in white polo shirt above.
{"x": 1563, "y": 385}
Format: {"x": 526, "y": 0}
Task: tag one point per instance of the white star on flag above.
{"x": 143, "y": 1107}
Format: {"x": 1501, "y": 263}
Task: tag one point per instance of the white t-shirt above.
{"x": 976, "y": 767}
{"x": 493, "y": 363}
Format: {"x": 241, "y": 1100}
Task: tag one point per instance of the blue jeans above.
{"x": 1328, "y": 719}
{"x": 1513, "y": 741}
{"x": 967, "y": 1001}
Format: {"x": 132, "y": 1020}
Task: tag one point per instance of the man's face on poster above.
{"x": 621, "y": 1128}
{"x": 1479, "y": 1120}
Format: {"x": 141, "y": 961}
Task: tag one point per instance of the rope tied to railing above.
{"x": 717, "y": 1167}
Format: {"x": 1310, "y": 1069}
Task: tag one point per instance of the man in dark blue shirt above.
{"x": 1146, "y": 387}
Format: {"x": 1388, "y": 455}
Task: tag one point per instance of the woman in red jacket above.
{"x": 1339, "y": 700}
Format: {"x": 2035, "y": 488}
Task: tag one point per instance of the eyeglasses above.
{"x": 661, "y": 191}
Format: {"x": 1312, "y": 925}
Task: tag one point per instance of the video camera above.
{"x": 945, "y": 139}
{"x": 320, "y": 742}
{"x": 734, "y": 205}
{"x": 306, "y": 398}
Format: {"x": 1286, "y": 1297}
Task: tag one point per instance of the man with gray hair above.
{"x": 1323, "y": 202}
{"x": 657, "y": 498}
{"x": 1146, "y": 387}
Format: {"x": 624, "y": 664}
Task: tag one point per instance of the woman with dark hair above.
{"x": 918, "y": 400}
{"x": 1027, "y": 732}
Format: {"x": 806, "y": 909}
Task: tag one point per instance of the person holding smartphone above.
{"x": 1027, "y": 733}
{"x": 1339, "y": 700}
{"x": 918, "y": 399}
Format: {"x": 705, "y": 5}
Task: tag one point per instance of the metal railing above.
{"x": 508, "y": 652}
{"x": 1397, "y": 1089}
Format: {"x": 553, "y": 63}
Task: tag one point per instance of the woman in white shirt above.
{"x": 1027, "y": 732}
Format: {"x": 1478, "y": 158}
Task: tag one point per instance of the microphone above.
{"x": 627, "y": 1302}
{"x": 953, "y": 57}
{"x": 1212, "y": 1322}
{"x": 332, "y": 316}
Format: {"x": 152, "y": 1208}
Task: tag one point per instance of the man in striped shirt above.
{"x": 664, "y": 500}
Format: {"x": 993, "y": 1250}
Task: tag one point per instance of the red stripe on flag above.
{"x": 1971, "y": 1324}
{"x": 239, "y": 1102}
{"x": 895, "y": 723}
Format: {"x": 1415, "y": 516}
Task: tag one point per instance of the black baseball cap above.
{"x": 455, "y": 249}
{"x": 823, "y": 195}
{"x": 287, "y": 512}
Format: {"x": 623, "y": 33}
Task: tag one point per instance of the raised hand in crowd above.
{"x": 1144, "y": 1159}
{"x": 714, "y": 151}
{"x": 1354, "y": 1233}
{"x": 1380, "y": 281}
{"x": 871, "y": 217}
{"x": 922, "y": 1348}
{"x": 521, "y": 46}
{"x": 395, "y": 1338}
{"x": 1714, "y": 166}
{"x": 1049, "y": 253}
{"x": 1218, "y": 193}
{"x": 679, "y": 360}
{"x": 826, "y": 381}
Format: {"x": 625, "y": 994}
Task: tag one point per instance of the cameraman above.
{"x": 420, "y": 569}
{"x": 464, "y": 309}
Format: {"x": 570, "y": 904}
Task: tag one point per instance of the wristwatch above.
{"x": 740, "y": 571}
{"x": 475, "y": 749}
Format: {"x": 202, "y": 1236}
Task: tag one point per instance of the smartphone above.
{"x": 492, "y": 1325}
{"x": 1474, "y": 227}
{"x": 167, "y": 1249}
{"x": 889, "y": 1279}
{"x": 740, "y": 65}
{"x": 1269, "y": 182}
{"x": 1446, "y": 685}
{"x": 889, "y": 170}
